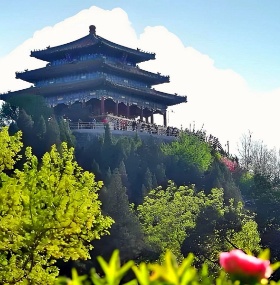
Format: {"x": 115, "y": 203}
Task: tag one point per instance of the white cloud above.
{"x": 219, "y": 99}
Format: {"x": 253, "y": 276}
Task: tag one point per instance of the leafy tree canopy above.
{"x": 34, "y": 105}
{"x": 166, "y": 216}
{"x": 183, "y": 220}
{"x": 10, "y": 146}
{"x": 47, "y": 212}
{"x": 191, "y": 149}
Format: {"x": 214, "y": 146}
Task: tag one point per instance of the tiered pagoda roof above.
{"x": 92, "y": 43}
{"x": 92, "y": 67}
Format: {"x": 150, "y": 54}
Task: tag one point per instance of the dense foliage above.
{"x": 183, "y": 194}
{"x": 181, "y": 219}
{"x": 205, "y": 217}
{"x": 40, "y": 127}
{"x": 191, "y": 149}
{"x": 258, "y": 180}
{"x": 167, "y": 215}
{"x": 48, "y": 211}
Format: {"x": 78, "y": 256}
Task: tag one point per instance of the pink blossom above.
{"x": 236, "y": 262}
{"x": 231, "y": 165}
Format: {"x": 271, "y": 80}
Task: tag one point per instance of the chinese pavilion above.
{"x": 99, "y": 74}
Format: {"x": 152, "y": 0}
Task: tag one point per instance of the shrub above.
{"x": 239, "y": 268}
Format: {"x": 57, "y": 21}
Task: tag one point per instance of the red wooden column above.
{"x": 164, "y": 119}
{"x": 117, "y": 108}
{"x": 102, "y": 105}
{"x": 141, "y": 114}
{"x": 152, "y": 118}
{"x": 127, "y": 111}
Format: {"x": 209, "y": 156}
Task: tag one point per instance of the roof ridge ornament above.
{"x": 92, "y": 30}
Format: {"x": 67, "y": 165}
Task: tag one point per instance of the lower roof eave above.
{"x": 58, "y": 89}
{"x": 153, "y": 95}
{"x": 26, "y": 91}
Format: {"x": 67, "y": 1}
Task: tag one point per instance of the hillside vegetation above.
{"x": 185, "y": 196}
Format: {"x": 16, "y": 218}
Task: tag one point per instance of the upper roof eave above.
{"x": 86, "y": 42}
{"x": 138, "y": 52}
{"x": 46, "y": 53}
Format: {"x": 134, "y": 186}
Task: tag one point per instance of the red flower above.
{"x": 236, "y": 262}
{"x": 231, "y": 165}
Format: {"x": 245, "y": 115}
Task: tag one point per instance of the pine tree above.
{"x": 95, "y": 168}
{"x": 53, "y": 133}
{"x": 34, "y": 105}
{"x": 160, "y": 174}
{"x": 124, "y": 177}
{"x": 154, "y": 181}
{"x": 125, "y": 234}
{"x": 65, "y": 132}
{"x": 40, "y": 128}
{"x": 148, "y": 180}
{"x": 144, "y": 191}
{"x": 26, "y": 124}
{"x": 107, "y": 136}
{"x": 108, "y": 176}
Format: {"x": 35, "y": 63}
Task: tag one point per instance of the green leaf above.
{"x": 264, "y": 254}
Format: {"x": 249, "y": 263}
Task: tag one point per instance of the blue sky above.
{"x": 225, "y": 55}
{"x": 242, "y": 34}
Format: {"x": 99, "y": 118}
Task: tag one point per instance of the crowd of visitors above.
{"x": 124, "y": 124}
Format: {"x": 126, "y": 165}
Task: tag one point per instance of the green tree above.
{"x": 160, "y": 174}
{"x": 167, "y": 215}
{"x": 191, "y": 149}
{"x": 148, "y": 180}
{"x": 8, "y": 114}
{"x": 221, "y": 226}
{"x": 53, "y": 133}
{"x": 25, "y": 122}
{"x": 34, "y": 105}
{"x": 47, "y": 212}
{"x": 218, "y": 176}
{"x": 183, "y": 220}
{"x": 247, "y": 238}
{"x": 125, "y": 233}
{"x": 155, "y": 184}
{"x": 65, "y": 132}
{"x": 122, "y": 171}
{"x": 40, "y": 128}
{"x": 144, "y": 190}
{"x": 10, "y": 147}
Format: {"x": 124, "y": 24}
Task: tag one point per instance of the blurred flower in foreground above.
{"x": 242, "y": 266}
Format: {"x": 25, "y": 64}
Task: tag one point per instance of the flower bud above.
{"x": 237, "y": 263}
